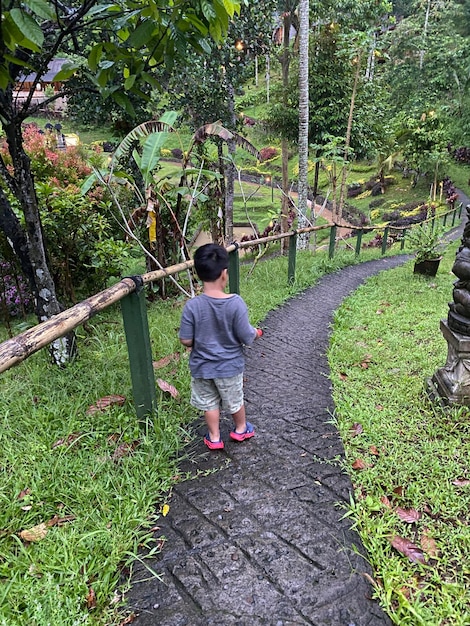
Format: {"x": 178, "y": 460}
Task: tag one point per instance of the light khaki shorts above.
{"x": 216, "y": 393}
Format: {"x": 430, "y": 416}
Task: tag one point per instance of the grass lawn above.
{"x": 407, "y": 458}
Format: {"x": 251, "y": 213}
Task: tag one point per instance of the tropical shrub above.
{"x": 90, "y": 251}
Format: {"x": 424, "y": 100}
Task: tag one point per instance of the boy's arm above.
{"x": 187, "y": 342}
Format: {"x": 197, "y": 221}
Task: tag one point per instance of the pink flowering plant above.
{"x": 84, "y": 243}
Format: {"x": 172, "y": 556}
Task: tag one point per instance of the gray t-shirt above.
{"x": 219, "y": 328}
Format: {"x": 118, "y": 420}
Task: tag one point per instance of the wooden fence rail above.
{"x": 129, "y": 291}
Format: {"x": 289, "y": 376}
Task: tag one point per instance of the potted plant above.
{"x": 428, "y": 243}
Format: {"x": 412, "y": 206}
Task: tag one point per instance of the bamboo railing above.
{"x": 129, "y": 291}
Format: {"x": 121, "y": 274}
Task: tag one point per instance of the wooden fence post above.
{"x": 403, "y": 239}
{"x": 384, "y": 240}
{"x": 234, "y": 270}
{"x": 292, "y": 259}
{"x": 360, "y": 232}
{"x": 331, "y": 249}
{"x": 134, "y": 314}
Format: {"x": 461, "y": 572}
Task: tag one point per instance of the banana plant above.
{"x": 165, "y": 206}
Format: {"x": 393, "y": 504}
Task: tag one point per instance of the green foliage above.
{"x": 89, "y": 253}
{"x": 426, "y": 240}
{"x": 385, "y": 343}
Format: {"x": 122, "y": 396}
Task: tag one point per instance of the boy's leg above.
{"x": 239, "y": 419}
{"x": 213, "y": 424}
{"x": 243, "y": 429}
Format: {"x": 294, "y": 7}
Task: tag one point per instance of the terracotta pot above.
{"x": 428, "y": 267}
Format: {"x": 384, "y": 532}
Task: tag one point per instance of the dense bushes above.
{"x": 84, "y": 242}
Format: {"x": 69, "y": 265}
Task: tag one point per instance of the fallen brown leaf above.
{"x": 428, "y": 544}
{"x": 66, "y": 441}
{"x": 373, "y": 450}
{"x": 356, "y": 429}
{"x": 91, "y": 598}
{"x": 385, "y": 501}
{"x": 125, "y": 449}
{"x": 461, "y": 482}
{"x": 104, "y": 403}
{"x": 407, "y": 548}
{"x": 128, "y": 620}
{"x": 23, "y": 493}
{"x": 166, "y": 360}
{"x": 164, "y": 386}
{"x": 410, "y": 516}
{"x": 36, "y": 533}
{"x": 399, "y": 491}
{"x": 359, "y": 464}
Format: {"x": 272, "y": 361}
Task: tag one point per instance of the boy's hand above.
{"x": 259, "y": 332}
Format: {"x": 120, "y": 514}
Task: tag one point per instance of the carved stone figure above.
{"x": 459, "y": 313}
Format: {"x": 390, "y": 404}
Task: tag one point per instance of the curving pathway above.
{"x": 258, "y": 538}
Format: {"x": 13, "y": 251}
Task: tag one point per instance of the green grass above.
{"x": 87, "y": 135}
{"x": 386, "y": 342}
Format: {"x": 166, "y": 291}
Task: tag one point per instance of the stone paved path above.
{"x": 258, "y": 539}
{"x": 262, "y": 540}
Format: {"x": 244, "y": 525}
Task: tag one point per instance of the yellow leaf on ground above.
{"x": 36, "y": 533}
{"x": 165, "y": 510}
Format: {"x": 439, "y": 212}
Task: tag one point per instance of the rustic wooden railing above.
{"x": 129, "y": 291}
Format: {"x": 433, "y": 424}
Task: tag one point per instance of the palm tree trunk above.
{"x": 303, "y": 240}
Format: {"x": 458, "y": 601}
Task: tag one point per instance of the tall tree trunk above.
{"x": 22, "y": 186}
{"x": 342, "y": 192}
{"x": 303, "y": 240}
{"x": 425, "y": 32}
{"x": 230, "y": 169}
{"x": 285, "y": 64}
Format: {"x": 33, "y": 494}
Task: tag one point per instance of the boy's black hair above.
{"x": 210, "y": 260}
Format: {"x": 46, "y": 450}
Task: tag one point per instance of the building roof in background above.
{"x": 53, "y": 68}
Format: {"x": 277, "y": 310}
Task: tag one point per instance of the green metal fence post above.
{"x": 331, "y": 250}
{"x": 453, "y": 217}
{"x": 292, "y": 259}
{"x": 384, "y": 240}
{"x": 445, "y": 219}
{"x": 234, "y": 270}
{"x": 134, "y": 314}
{"x": 460, "y": 209}
{"x": 403, "y": 239}
{"x": 360, "y": 232}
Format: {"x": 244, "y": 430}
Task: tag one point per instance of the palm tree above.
{"x": 302, "y": 241}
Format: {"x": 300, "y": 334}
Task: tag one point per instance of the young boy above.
{"x": 215, "y": 326}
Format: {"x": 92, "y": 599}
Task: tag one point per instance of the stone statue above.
{"x": 459, "y": 313}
